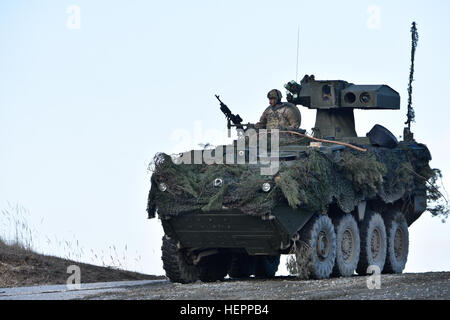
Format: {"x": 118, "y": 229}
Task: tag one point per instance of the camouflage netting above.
{"x": 190, "y": 187}
{"x": 311, "y": 183}
{"x": 437, "y": 204}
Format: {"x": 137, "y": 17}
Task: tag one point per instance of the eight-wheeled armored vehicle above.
{"x": 342, "y": 203}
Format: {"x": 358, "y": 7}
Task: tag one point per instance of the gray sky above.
{"x": 86, "y": 103}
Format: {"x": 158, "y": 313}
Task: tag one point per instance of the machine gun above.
{"x": 231, "y": 118}
{"x": 237, "y": 120}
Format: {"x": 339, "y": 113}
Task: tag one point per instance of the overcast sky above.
{"x": 91, "y": 90}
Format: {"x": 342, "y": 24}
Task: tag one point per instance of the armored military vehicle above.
{"x": 342, "y": 203}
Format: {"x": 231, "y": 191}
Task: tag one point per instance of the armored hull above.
{"x": 338, "y": 209}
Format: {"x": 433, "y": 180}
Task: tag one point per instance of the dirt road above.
{"x": 64, "y": 292}
{"x": 432, "y": 285}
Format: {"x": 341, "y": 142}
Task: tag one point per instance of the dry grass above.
{"x": 14, "y": 228}
{"x": 24, "y": 259}
{"x": 23, "y": 267}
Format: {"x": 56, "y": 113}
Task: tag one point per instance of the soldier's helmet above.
{"x": 275, "y": 94}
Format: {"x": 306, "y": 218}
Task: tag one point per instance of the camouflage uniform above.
{"x": 283, "y": 115}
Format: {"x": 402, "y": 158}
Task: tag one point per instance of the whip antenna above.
{"x": 298, "y": 45}
{"x": 414, "y": 39}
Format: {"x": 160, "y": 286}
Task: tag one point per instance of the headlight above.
{"x": 266, "y": 187}
{"x": 162, "y": 187}
{"x": 218, "y": 183}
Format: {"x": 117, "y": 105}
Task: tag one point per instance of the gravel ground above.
{"x": 431, "y": 285}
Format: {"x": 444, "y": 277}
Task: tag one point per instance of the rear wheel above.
{"x": 347, "y": 245}
{"x": 266, "y": 266}
{"x": 320, "y": 238}
{"x": 397, "y": 242}
{"x": 177, "y": 267}
{"x": 242, "y": 265}
{"x": 373, "y": 242}
{"x": 214, "y": 267}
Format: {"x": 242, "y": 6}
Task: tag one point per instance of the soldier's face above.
{"x": 272, "y": 101}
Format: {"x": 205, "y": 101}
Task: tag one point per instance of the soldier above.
{"x": 279, "y": 115}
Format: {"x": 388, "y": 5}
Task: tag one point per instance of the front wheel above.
{"x": 320, "y": 239}
{"x": 177, "y": 267}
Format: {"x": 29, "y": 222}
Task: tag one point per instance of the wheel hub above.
{"x": 347, "y": 245}
{"x": 398, "y": 243}
{"x": 375, "y": 243}
{"x": 323, "y": 245}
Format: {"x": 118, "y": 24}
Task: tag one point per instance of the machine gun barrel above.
{"x": 231, "y": 118}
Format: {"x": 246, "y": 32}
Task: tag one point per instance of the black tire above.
{"x": 266, "y": 266}
{"x": 373, "y": 242}
{"x": 347, "y": 245}
{"x": 320, "y": 238}
{"x": 214, "y": 267}
{"x": 397, "y": 242}
{"x": 242, "y": 266}
{"x": 177, "y": 268}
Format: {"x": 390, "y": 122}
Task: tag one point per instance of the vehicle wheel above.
{"x": 397, "y": 242}
{"x": 177, "y": 268}
{"x": 214, "y": 267}
{"x": 266, "y": 266}
{"x": 320, "y": 238}
{"x": 373, "y": 242}
{"x": 242, "y": 265}
{"x": 347, "y": 245}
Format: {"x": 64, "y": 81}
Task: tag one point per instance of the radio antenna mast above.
{"x": 414, "y": 40}
{"x": 298, "y": 46}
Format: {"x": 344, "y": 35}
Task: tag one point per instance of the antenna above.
{"x": 414, "y": 40}
{"x": 298, "y": 46}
